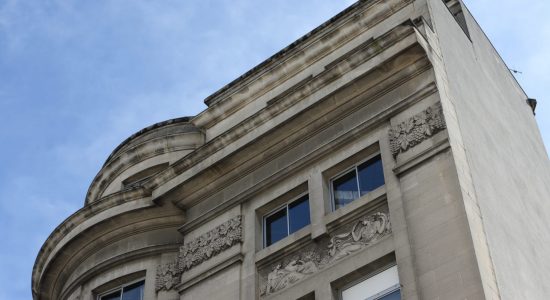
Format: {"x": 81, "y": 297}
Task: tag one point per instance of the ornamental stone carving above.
{"x": 210, "y": 244}
{"x": 199, "y": 250}
{"x": 167, "y": 276}
{"x": 363, "y": 233}
{"x": 416, "y": 129}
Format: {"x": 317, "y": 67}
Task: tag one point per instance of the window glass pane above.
{"x": 396, "y": 295}
{"x": 111, "y": 296}
{"x": 371, "y": 175}
{"x": 275, "y": 227}
{"x": 298, "y": 214}
{"x": 133, "y": 292}
{"x": 345, "y": 189}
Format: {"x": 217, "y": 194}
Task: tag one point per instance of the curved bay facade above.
{"x": 360, "y": 162}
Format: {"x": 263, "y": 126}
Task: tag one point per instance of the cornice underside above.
{"x": 299, "y": 137}
{"x": 368, "y": 57}
{"x": 383, "y": 77}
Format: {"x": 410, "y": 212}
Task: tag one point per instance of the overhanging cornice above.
{"x": 336, "y": 75}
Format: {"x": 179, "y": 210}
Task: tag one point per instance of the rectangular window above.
{"x": 357, "y": 182}
{"x": 382, "y": 286}
{"x": 132, "y": 291}
{"x": 286, "y": 220}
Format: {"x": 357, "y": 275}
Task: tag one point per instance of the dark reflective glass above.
{"x": 298, "y": 214}
{"x": 276, "y": 227}
{"x": 371, "y": 175}
{"x": 111, "y": 296}
{"x": 392, "y": 296}
{"x": 345, "y": 189}
{"x": 133, "y": 292}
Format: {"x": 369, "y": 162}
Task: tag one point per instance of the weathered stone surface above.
{"x": 363, "y": 233}
{"x": 416, "y": 129}
{"x": 180, "y": 205}
{"x": 198, "y": 251}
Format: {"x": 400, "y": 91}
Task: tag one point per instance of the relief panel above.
{"x": 416, "y": 129}
{"x": 319, "y": 255}
{"x": 198, "y": 251}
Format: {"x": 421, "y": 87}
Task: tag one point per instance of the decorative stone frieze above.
{"x": 210, "y": 244}
{"x": 167, "y": 276}
{"x": 363, "y": 233}
{"x": 198, "y": 251}
{"x": 416, "y": 129}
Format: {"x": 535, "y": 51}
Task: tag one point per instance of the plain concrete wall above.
{"x": 509, "y": 166}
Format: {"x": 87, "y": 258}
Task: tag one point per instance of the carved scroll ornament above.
{"x": 199, "y": 250}
{"x": 362, "y": 234}
{"x": 416, "y": 129}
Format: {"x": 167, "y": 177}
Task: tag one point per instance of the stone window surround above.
{"x": 120, "y": 287}
{"x": 107, "y": 285}
{"x": 277, "y": 209}
{"x": 330, "y": 216}
{"x": 331, "y": 220}
{"x": 385, "y": 292}
{"x": 345, "y": 171}
{"x": 368, "y": 270}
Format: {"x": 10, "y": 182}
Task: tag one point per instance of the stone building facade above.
{"x": 387, "y": 154}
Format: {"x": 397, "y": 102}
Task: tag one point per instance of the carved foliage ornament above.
{"x": 199, "y": 250}
{"x": 363, "y": 233}
{"x": 167, "y": 276}
{"x": 210, "y": 244}
{"x": 416, "y": 129}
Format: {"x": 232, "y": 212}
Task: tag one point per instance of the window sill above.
{"x": 356, "y": 207}
{"x": 289, "y": 243}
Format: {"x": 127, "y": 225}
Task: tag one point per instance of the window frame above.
{"x": 354, "y": 167}
{"x": 279, "y": 208}
{"x": 121, "y": 289}
{"x": 388, "y": 291}
{"x": 378, "y": 295}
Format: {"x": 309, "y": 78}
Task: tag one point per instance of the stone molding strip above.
{"x": 376, "y": 120}
{"x": 439, "y": 146}
{"x": 395, "y": 40}
{"x": 184, "y": 285}
{"x": 198, "y": 251}
{"x": 416, "y": 129}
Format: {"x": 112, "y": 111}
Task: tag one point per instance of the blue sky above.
{"x": 78, "y": 77}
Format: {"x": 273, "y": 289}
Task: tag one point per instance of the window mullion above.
{"x": 358, "y": 182}
{"x": 287, "y": 221}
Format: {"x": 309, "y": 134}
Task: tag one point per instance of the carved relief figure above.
{"x": 293, "y": 272}
{"x": 363, "y": 233}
